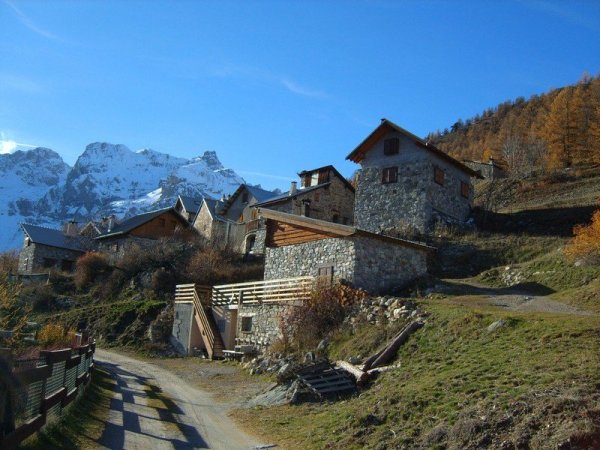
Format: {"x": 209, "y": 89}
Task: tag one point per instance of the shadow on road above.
{"x": 139, "y": 411}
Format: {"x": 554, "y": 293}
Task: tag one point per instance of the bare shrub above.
{"x": 210, "y": 266}
{"x": 53, "y": 336}
{"x": 9, "y": 261}
{"x": 89, "y": 267}
{"x": 302, "y": 327}
{"x": 163, "y": 281}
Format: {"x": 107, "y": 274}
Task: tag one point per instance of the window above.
{"x": 246, "y": 324}
{"x": 245, "y": 197}
{"x": 335, "y": 218}
{"x": 389, "y": 175}
{"x": 391, "y": 146}
{"x": 345, "y": 221}
{"x": 67, "y": 265}
{"x": 464, "y": 189}
{"x": 27, "y": 242}
{"x": 49, "y": 262}
{"x": 325, "y": 274}
{"x": 438, "y": 175}
{"x": 162, "y": 222}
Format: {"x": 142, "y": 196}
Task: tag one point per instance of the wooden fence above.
{"x": 270, "y": 291}
{"x": 35, "y": 392}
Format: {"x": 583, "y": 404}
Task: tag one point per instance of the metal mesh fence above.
{"x": 55, "y": 381}
{"x": 53, "y": 413}
{"x": 71, "y": 378}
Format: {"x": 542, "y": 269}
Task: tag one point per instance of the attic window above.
{"x": 391, "y": 146}
{"x": 464, "y": 189}
{"x": 389, "y": 175}
{"x": 323, "y": 176}
{"x": 245, "y": 197}
{"x": 438, "y": 176}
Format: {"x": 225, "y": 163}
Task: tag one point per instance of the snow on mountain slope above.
{"x": 38, "y": 187}
{"x": 25, "y": 177}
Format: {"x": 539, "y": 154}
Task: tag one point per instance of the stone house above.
{"x": 231, "y": 222}
{"x": 188, "y": 207}
{"x": 141, "y": 230}
{"x": 324, "y": 194}
{"x": 489, "y": 170}
{"x": 302, "y": 246}
{"x": 407, "y": 184}
{"x": 46, "y": 248}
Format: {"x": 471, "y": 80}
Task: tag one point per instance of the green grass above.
{"x": 83, "y": 422}
{"x": 448, "y": 368}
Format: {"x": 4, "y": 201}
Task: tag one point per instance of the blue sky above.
{"x": 274, "y": 87}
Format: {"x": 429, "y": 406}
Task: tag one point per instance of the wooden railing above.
{"x": 200, "y": 296}
{"x": 283, "y": 290}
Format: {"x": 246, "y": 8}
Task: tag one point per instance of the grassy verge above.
{"x": 83, "y": 423}
{"x": 533, "y": 382}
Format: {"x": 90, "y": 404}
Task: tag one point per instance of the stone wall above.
{"x": 266, "y": 320}
{"x": 415, "y": 201}
{"x": 382, "y": 266}
{"x": 365, "y": 262}
{"x": 34, "y": 258}
{"x": 182, "y": 327}
{"x": 305, "y": 259}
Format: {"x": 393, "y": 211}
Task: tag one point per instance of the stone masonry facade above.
{"x": 266, "y": 318}
{"x": 368, "y": 263}
{"x": 39, "y": 257}
{"x": 414, "y": 201}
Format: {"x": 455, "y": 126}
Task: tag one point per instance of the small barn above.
{"x": 299, "y": 246}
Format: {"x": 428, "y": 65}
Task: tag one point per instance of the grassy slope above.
{"x": 83, "y": 424}
{"x": 539, "y": 368}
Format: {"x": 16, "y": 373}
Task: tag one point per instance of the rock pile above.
{"x": 382, "y": 310}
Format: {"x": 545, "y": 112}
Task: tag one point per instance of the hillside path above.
{"x": 155, "y": 409}
{"x": 511, "y": 298}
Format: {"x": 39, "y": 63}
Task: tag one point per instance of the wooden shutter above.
{"x": 389, "y": 175}
{"x": 464, "y": 189}
{"x": 438, "y": 175}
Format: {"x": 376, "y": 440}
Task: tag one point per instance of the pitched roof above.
{"x": 133, "y": 222}
{"x": 337, "y": 229}
{"x": 212, "y": 205}
{"x": 358, "y": 154}
{"x": 259, "y": 194}
{"x": 53, "y": 238}
{"x": 286, "y": 195}
{"x": 191, "y": 204}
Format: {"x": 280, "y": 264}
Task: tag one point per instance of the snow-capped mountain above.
{"x": 37, "y": 186}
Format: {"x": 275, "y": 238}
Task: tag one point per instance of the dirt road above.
{"x": 155, "y": 409}
{"x": 511, "y": 298}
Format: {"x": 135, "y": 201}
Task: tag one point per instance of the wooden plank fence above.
{"x": 35, "y": 392}
{"x": 270, "y": 291}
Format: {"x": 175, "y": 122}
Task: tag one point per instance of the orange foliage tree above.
{"x": 586, "y": 243}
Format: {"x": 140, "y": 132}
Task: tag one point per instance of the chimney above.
{"x": 71, "y": 228}
{"x": 110, "y": 222}
{"x": 293, "y": 188}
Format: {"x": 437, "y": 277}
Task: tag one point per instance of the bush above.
{"x": 9, "y": 261}
{"x": 586, "y": 243}
{"x": 55, "y": 336}
{"x": 90, "y": 267}
{"x": 210, "y": 266}
{"x": 163, "y": 281}
{"x": 302, "y": 327}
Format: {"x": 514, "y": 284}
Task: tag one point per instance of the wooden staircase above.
{"x": 201, "y": 298}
